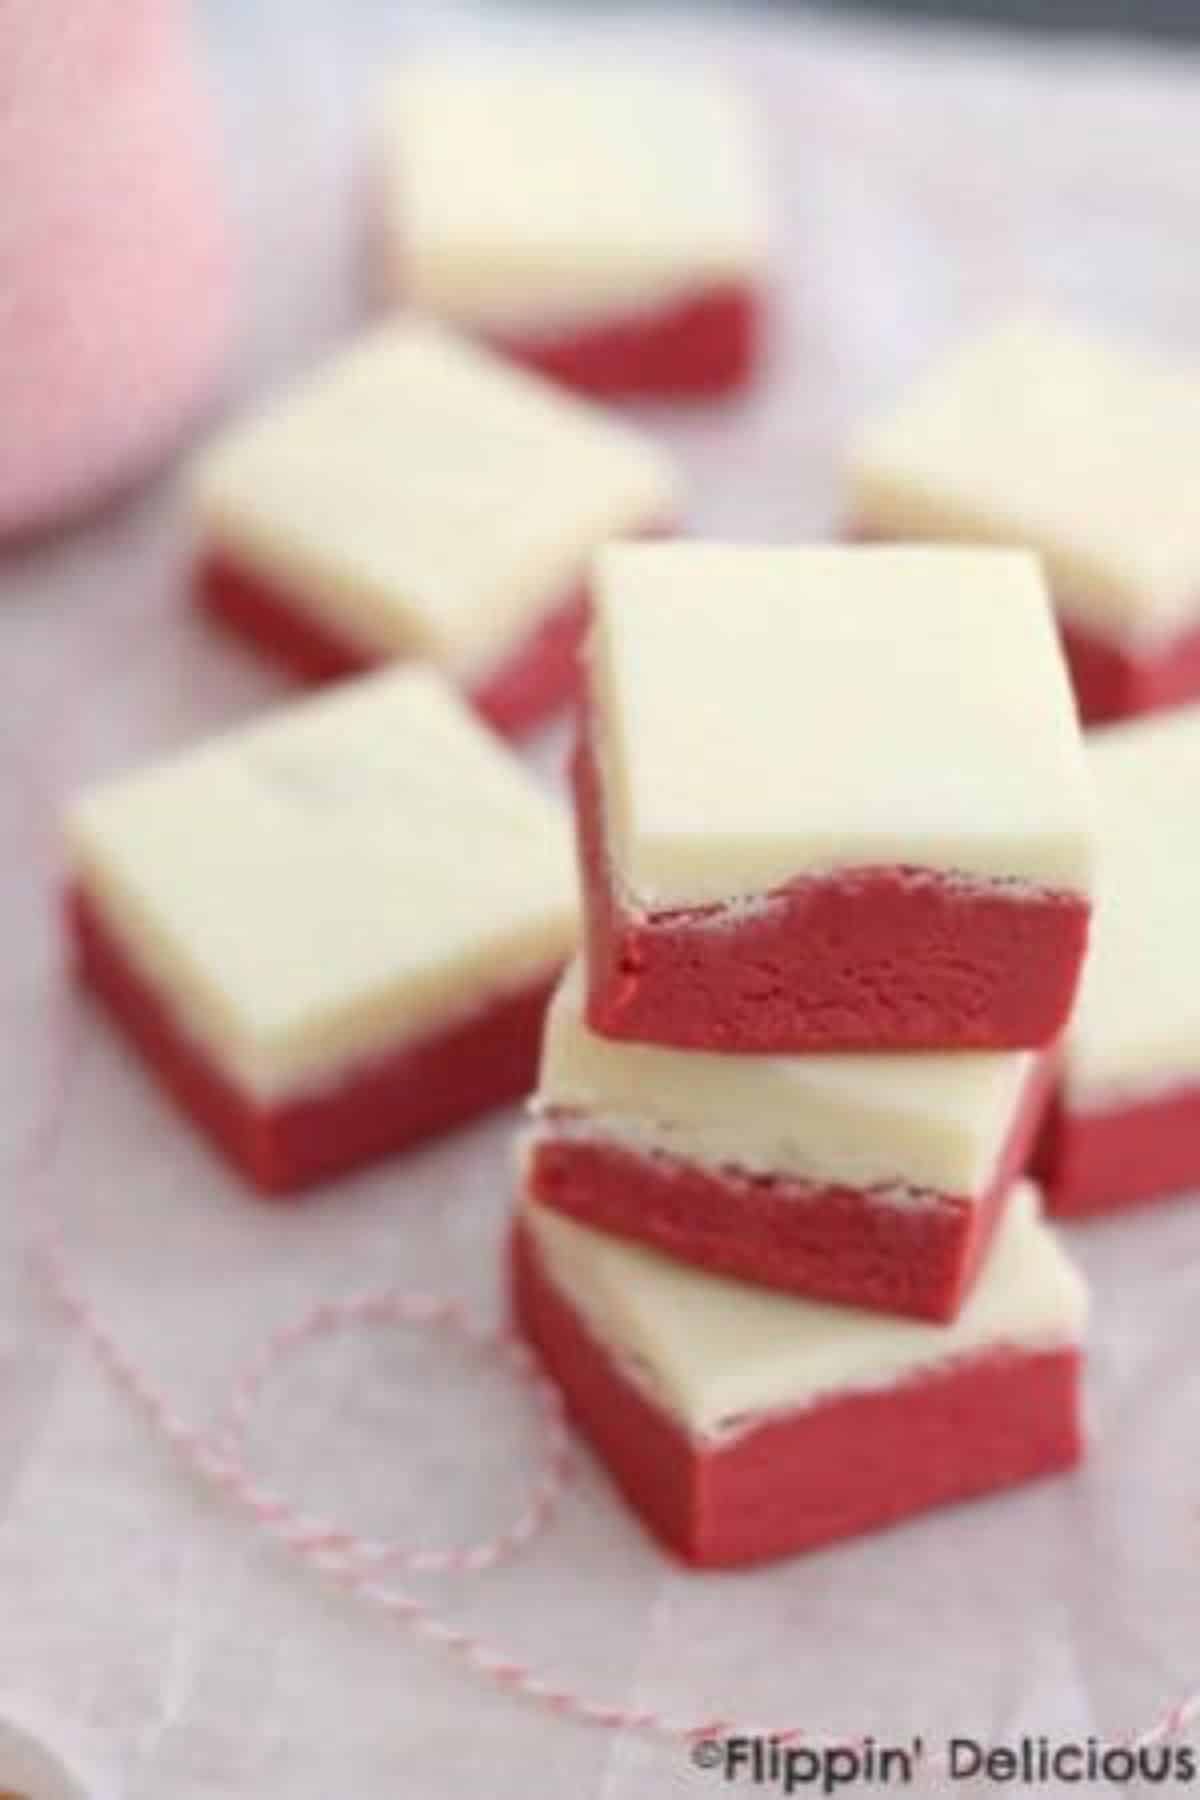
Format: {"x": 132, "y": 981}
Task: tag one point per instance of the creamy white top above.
{"x": 1038, "y": 435}
{"x": 767, "y": 713}
{"x": 926, "y": 1121}
{"x": 1136, "y": 1025}
{"x": 351, "y": 871}
{"x": 422, "y": 496}
{"x": 533, "y": 193}
{"x": 716, "y": 1352}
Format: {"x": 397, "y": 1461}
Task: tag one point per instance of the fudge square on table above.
{"x": 417, "y": 496}
{"x": 743, "y": 1424}
{"x": 829, "y": 799}
{"x": 1125, "y": 1125}
{"x": 874, "y": 1181}
{"x": 1087, "y": 451}
{"x": 604, "y": 224}
{"x": 330, "y": 932}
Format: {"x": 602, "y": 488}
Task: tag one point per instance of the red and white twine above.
{"x": 353, "y": 1562}
{"x": 360, "y": 1565}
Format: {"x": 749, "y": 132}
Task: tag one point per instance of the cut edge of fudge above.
{"x": 719, "y": 1354}
{"x": 1132, "y": 607}
{"x": 1125, "y": 1125}
{"x": 746, "y": 1473}
{"x": 538, "y": 677}
{"x": 906, "y": 1123}
{"x": 730, "y": 908}
{"x": 329, "y": 774}
{"x": 1137, "y": 1023}
{"x": 299, "y": 548}
{"x": 830, "y": 1204}
{"x": 1122, "y": 1153}
{"x": 851, "y": 951}
{"x": 375, "y": 1105}
{"x": 695, "y": 347}
{"x": 277, "y": 904}
{"x": 827, "y": 965}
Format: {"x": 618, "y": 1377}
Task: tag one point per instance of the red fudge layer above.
{"x": 844, "y": 1465}
{"x": 848, "y": 1245}
{"x": 1099, "y": 1161}
{"x": 534, "y": 680}
{"x": 873, "y": 959}
{"x": 379, "y": 1105}
{"x": 705, "y": 343}
{"x": 1111, "y": 683}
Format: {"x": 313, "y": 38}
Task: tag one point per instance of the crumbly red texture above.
{"x": 1127, "y": 1155}
{"x": 871, "y": 959}
{"x": 1113, "y": 683}
{"x": 537, "y": 678}
{"x": 831, "y": 1242}
{"x": 382, "y": 1104}
{"x": 846, "y": 1464}
{"x": 702, "y": 344}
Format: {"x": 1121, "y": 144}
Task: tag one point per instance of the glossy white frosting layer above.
{"x": 532, "y": 195}
{"x": 1039, "y": 435}
{"x": 351, "y": 872}
{"x": 717, "y": 1353}
{"x": 421, "y": 496}
{"x": 1136, "y": 1028}
{"x": 926, "y": 1122}
{"x": 767, "y": 713}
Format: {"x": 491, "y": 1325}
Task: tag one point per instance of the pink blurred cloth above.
{"x": 114, "y": 256}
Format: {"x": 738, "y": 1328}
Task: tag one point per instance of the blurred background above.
{"x": 1150, "y": 18}
{"x": 1147, "y": 18}
{"x": 1169, "y": 19}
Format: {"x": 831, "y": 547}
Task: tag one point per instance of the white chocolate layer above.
{"x": 928, "y": 1122}
{"x": 763, "y": 714}
{"x": 421, "y": 496}
{"x": 355, "y": 871}
{"x": 717, "y": 1353}
{"x": 1136, "y": 1026}
{"x": 530, "y": 195}
{"x": 1085, "y": 451}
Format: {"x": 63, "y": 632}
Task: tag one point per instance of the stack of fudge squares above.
{"x": 836, "y": 835}
{"x": 834, "y": 817}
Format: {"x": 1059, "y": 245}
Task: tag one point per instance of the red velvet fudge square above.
{"x": 829, "y": 798}
{"x": 1125, "y": 1126}
{"x": 744, "y": 1425}
{"x": 289, "y": 926}
{"x": 603, "y": 224}
{"x": 870, "y": 1180}
{"x": 419, "y": 497}
{"x": 1041, "y": 435}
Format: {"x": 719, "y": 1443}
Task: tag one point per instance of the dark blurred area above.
{"x": 1179, "y": 19}
{"x": 1171, "y": 19}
